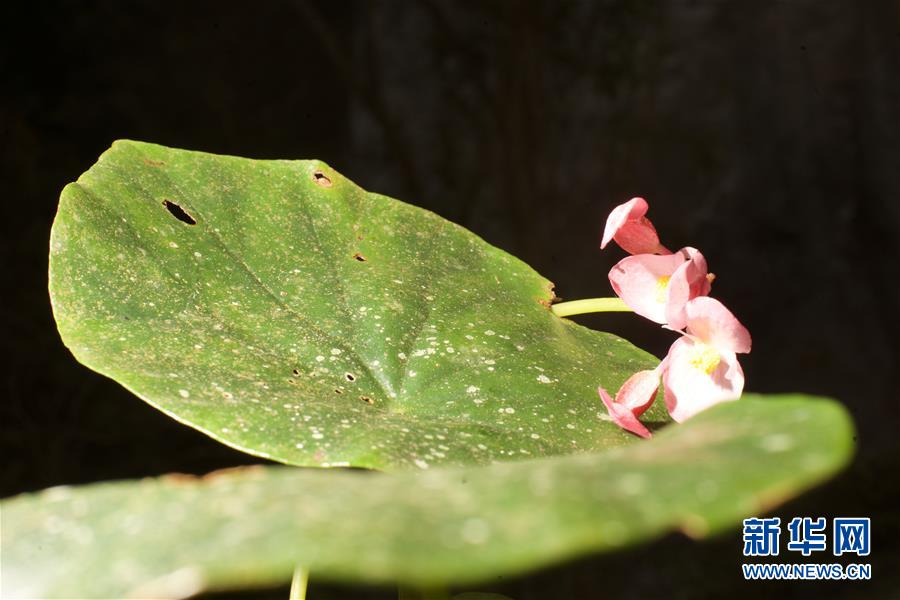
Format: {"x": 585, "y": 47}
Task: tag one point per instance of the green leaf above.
{"x": 282, "y": 310}
{"x": 173, "y": 536}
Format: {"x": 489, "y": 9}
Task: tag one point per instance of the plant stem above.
{"x": 298, "y": 584}
{"x": 591, "y": 305}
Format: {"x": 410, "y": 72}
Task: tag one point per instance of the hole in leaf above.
{"x": 338, "y": 391}
{"x": 360, "y": 257}
{"x": 321, "y": 179}
{"x": 296, "y": 371}
{"x": 367, "y": 400}
{"x": 291, "y": 381}
{"x": 179, "y": 213}
{"x": 350, "y": 376}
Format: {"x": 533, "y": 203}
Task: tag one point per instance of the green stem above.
{"x": 591, "y": 305}
{"x": 298, "y": 584}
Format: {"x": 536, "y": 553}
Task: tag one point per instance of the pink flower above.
{"x": 658, "y": 287}
{"x": 633, "y": 399}
{"x": 631, "y": 230}
{"x": 701, "y": 368}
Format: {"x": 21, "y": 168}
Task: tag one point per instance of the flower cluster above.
{"x": 701, "y": 368}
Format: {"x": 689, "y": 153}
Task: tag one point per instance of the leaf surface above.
{"x": 175, "y": 536}
{"x": 287, "y": 312}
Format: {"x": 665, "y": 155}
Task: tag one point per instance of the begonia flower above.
{"x": 658, "y": 287}
{"x": 701, "y": 368}
{"x": 632, "y": 230}
{"x": 632, "y": 400}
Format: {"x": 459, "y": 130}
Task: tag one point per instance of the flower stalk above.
{"x": 299, "y": 583}
{"x": 589, "y": 305}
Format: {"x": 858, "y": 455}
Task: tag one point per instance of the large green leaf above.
{"x": 173, "y": 536}
{"x": 284, "y": 311}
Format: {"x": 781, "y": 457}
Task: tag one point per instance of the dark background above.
{"x": 765, "y": 133}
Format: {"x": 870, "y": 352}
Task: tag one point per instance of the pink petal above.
{"x": 631, "y": 230}
{"x": 690, "y": 387}
{"x": 687, "y": 282}
{"x": 709, "y": 321}
{"x": 639, "y": 392}
{"x": 640, "y": 282}
{"x": 632, "y": 210}
{"x": 623, "y": 417}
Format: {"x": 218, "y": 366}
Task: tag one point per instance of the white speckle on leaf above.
{"x": 778, "y": 442}
{"x": 707, "y": 490}
{"x": 421, "y": 463}
{"x": 490, "y": 332}
{"x": 543, "y": 378}
{"x": 472, "y": 389}
{"x": 184, "y": 393}
{"x": 335, "y": 351}
{"x": 632, "y": 484}
{"x": 475, "y": 531}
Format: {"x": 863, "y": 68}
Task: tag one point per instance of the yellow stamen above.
{"x": 662, "y": 286}
{"x": 705, "y": 358}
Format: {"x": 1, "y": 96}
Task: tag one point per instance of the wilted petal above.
{"x": 697, "y": 375}
{"x": 709, "y": 321}
{"x": 631, "y": 230}
{"x": 622, "y": 416}
{"x": 642, "y": 282}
